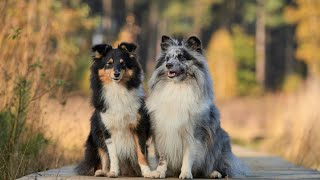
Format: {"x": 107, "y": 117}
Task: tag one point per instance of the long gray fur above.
{"x": 185, "y": 120}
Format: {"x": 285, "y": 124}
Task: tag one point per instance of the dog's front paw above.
{"x": 146, "y": 174}
{"x": 145, "y": 171}
{"x": 215, "y": 175}
{"x": 185, "y": 175}
{"x": 100, "y": 173}
{"x": 157, "y": 174}
{"x": 112, "y": 174}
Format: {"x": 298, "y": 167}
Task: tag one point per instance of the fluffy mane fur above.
{"x": 184, "y": 118}
{"x": 120, "y": 123}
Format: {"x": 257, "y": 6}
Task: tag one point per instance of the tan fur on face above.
{"x": 128, "y": 74}
{"x": 105, "y": 75}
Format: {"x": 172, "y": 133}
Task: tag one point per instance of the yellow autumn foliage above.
{"x": 307, "y": 17}
{"x": 40, "y": 42}
{"x": 36, "y": 41}
{"x": 222, "y": 64}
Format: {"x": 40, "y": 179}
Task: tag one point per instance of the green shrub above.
{"x": 291, "y": 83}
{"x": 19, "y": 144}
{"x": 245, "y": 54}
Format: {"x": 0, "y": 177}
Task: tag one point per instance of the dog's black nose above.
{"x": 116, "y": 74}
{"x": 169, "y": 65}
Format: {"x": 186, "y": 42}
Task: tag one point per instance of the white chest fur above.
{"x": 173, "y": 108}
{"x": 123, "y": 106}
{"x": 174, "y": 104}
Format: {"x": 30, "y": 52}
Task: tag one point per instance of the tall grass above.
{"x": 39, "y": 43}
{"x": 295, "y": 128}
{"x": 286, "y": 124}
{"x": 20, "y": 143}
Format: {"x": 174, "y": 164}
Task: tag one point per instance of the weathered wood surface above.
{"x": 263, "y": 166}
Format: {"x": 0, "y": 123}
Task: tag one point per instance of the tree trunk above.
{"x": 142, "y": 14}
{"x": 260, "y": 43}
{"x": 114, "y": 18}
{"x": 289, "y": 50}
{"x": 153, "y": 36}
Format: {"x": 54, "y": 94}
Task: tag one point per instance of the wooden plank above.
{"x": 263, "y": 166}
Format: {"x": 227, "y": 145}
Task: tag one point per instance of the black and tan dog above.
{"x": 120, "y": 124}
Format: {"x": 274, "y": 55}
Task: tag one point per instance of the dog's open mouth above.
{"x": 172, "y": 74}
{"x": 116, "y": 79}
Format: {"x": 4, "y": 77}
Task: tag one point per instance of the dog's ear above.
{"x": 194, "y": 44}
{"x": 166, "y": 41}
{"x": 100, "y": 50}
{"x": 128, "y": 47}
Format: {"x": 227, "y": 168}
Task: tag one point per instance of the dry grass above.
{"x": 68, "y": 126}
{"x": 36, "y": 43}
{"x": 39, "y": 43}
{"x": 294, "y": 130}
{"x": 288, "y": 122}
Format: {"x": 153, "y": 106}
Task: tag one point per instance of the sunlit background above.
{"x": 263, "y": 56}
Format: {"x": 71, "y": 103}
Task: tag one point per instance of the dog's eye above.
{"x": 187, "y": 57}
{"x": 109, "y": 63}
{"x": 122, "y": 64}
{"x": 181, "y": 58}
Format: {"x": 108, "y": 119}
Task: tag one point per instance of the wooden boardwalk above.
{"x": 263, "y": 166}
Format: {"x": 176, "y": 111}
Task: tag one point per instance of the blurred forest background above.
{"x": 263, "y": 55}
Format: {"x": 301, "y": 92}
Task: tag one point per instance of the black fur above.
{"x": 98, "y": 132}
{"x": 95, "y": 140}
{"x": 194, "y": 44}
{"x": 101, "y": 49}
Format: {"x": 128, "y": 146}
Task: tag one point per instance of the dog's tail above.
{"x": 91, "y": 159}
{"x": 236, "y": 167}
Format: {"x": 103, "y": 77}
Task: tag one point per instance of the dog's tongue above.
{"x": 171, "y": 74}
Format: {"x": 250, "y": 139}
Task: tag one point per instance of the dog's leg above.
{"x": 187, "y": 162}
{"x": 114, "y": 162}
{"x": 104, "y": 160}
{"x": 142, "y": 160}
{"x": 161, "y": 170}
